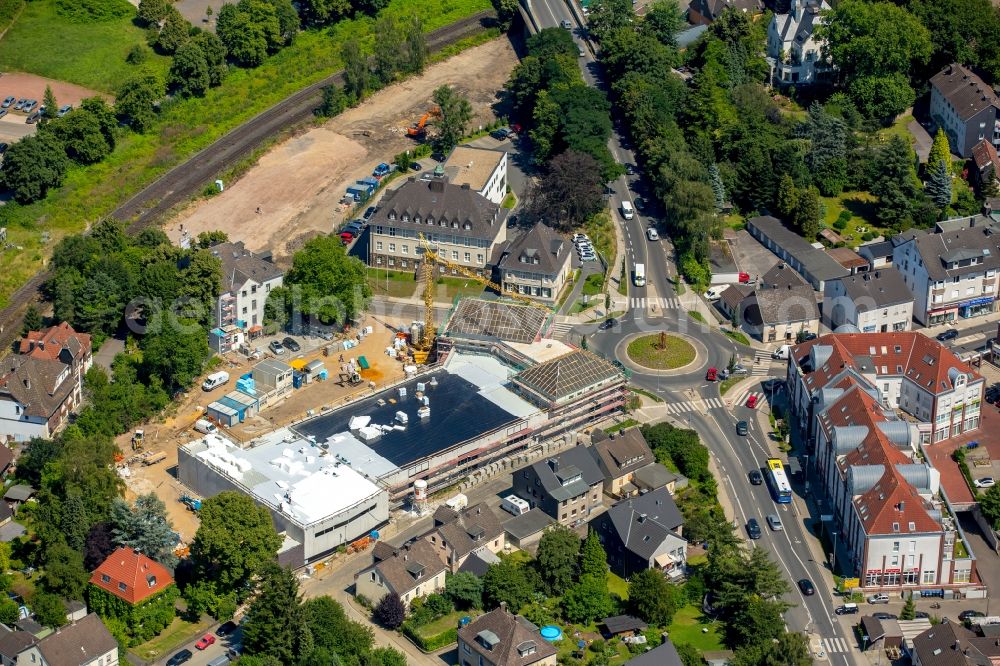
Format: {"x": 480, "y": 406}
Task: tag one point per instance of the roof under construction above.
{"x": 480, "y": 319}
{"x": 567, "y": 375}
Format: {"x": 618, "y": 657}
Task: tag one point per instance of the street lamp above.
{"x": 833, "y": 560}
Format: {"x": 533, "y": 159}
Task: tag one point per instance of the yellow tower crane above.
{"x": 423, "y": 347}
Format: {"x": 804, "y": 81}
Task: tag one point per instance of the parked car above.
{"x": 64, "y": 109}
{"x": 291, "y": 345}
{"x": 985, "y": 482}
{"x": 181, "y": 657}
{"x": 7, "y": 101}
{"x": 3, "y": 148}
{"x": 29, "y": 106}
{"x": 3, "y": 112}
{"x": 742, "y": 428}
{"x": 276, "y": 347}
{"x": 739, "y": 369}
{"x": 629, "y": 169}
{"x": 807, "y": 587}
{"x": 607, "y": 324}
{"x": 969, "y": 614}
{"x": 369, "y": 212}
{"x": 566, "y": 24}
{"x": 921, "y": 615}
{"x": 205, "y": 641}
{"x": 880, "y": 598}
{"x": 753, "y": 529}
{"x": 756, "y": 478}
{"x": 33, "y": 118}
{"x": 847, "y": 609}
{"x": 225, "y": 629}
{"x": 950, "y": 334}
{"x": 579, "y": 237}
{"x": 416, "y": 166}
{"x": 774, "y": 522}
{"x": 20, "y": 103}
{"x": 882, "y": 615}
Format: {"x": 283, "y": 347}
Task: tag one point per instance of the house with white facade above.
{"x": 643, "y": 532}
{"x": 965, "y": 107}
{"x": 247, "y": 280}
{"x": 793, "y": 51}
{"x": 871, "y": 302}
{"x": 952, "y": 270}
{"x": 482, "y": 169}
{"x": 537, "y": 264}
{"x": 412, "y": 571}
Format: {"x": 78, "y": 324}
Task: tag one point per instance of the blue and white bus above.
{"x": 777, "y": 481}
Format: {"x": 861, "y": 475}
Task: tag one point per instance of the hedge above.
{"x": 431, "y": 643}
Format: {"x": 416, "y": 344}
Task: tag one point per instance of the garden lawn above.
{"x": 617, "y": 585}
{"x": 862, "y": 207}
{"x": 686, "y": 628}
{"x": 594, "y": 284}
{"x": 646, "y": 352}
{"x": 185, "y": 126}
{"x": 448, "y": 288}
{"x": 627, "y": 423}
{"x": 445, "y": 622}
{"x": 398, "y": 283}
{"x": 46, "y": 43}
{"x": 175, "y": 635}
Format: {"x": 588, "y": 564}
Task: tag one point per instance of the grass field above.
{"x": 862, "y": 207}
{"x": 391, "y": 283}
{"x": 175, "y": 635}
{"x": 737, "y": 336}
{"x": 646, "y": 352}
{"x": 44, "y": 42}
{"x": 687, "y": 628}
{"x": 617, "y": 585}
{"x": 185, "y": 126}
{"x": 593, "y": 285}
{"x": 447, "y": 288}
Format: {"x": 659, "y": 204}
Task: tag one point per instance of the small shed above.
{"x": 872, "y": 631}
{"x": 315, "y": 371}
{"x": 655, "y": 476}
{"x": 75, "y": 610}
{"x": 233, "y": 408}
{"x": 18, "y": 495}
{"x": 623, "y": 625}
{"x": 525, "y": 531}
{"x": 11, "y": 531}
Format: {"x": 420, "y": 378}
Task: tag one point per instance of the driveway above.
{"x": 106, "y": 354}
{"x": 518, "y": 162}
{"x": 749, "y": 255}
{"x": 922, "y": 140}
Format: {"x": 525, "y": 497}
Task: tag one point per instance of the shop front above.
{"x": 976, "y": 307}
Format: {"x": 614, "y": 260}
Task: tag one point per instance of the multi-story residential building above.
{"x": 247, "y": 280}
{"x": 619, "y": 456}
{"x": 84, "y": 642}
{"x": 643, "y": 532}
{"x": 952, "y": 270}
{"x": 910, "y": 371}
{"x": 483, "y": 170}
{"x": 458, "y": 534}
{"x": 537, "y": 264}
{"x": 887, "y": 515}
{"x": 37, "y": 397}
{"x": 412, "y": 571}
{"x": 567, "y": 486}
{"x": 872, "y": 302}
{"x": 131, "y": 576}
{"x": 704, "y": 12}
{"x": 987, "y": 163}
{"x": 773, "y": 314}
{"x": 793, "y": 51}
{"x": 966, "y": 107}
{"x": 811, "y": 262}
{"x": 500, "y": 638}
{"x": 464, "y": 227}
{"x": 59, "y": 343}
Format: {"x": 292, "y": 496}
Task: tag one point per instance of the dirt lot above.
{"x": 298, "y": 185}
{"x": 167, "y": 435}
{"x": 16, "y": 84}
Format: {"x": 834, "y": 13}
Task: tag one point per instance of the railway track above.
{"x": 187, "y": 179}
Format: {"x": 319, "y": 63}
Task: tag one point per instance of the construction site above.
{"x": 489, "y": 391}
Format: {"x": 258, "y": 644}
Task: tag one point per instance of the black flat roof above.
{"x": 458, "y": 413}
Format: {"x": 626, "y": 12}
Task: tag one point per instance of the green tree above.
{"x": 456, "y": 112}
{"x": 882, "y": 98}
{"x": 189, "y": 71}
{"x": 176, "y": 353}
{"x": 274, "y": 618}
{"x": 333, "y": 631}
{"x": 75, "y": 523}
{"x": 207, "y": 239}
{"x": 390, "y": 611}
{"x": 558, "y": 558}
{"x": 64, "y": 573}
{"x": 333, "y": 102}
{"x": 909, "y": 611}
{"x": 9, "y": 611}
{"x": 136, "y": 98}
{"x": 49, "y": 610}
{"x": 389, "y": 54}
{"x": 235, "y": 539}
{"x": 938, "y": 185}
{"x": 416, "y": 46}
{"x": 32, "y": 320}
{"x": 718, "y": 188}
{"x": 506, "y": 11}
{"x": 245, "y": 39}
{"x": 940, "y": 149}
{"x": 570, "y": 193}
{"x": 507, "y": 582}
{"x": 989, "y": 504}
{"x": 896, "y": 184}
{"x": 288, "y": 22}
{"x": 83, "y": 136}
{"x": 807, "y": 214}
{"x": 465, "y": 590}
{"x": 137, "y": 55}
{"x": 50, "y": 104}
{"x": 607, "y": 16}
{"x": 788, "y": 198}
{"x": 33, "y": 166}
{"x": 144, "y": 527}
{"x": 325, "y": 282}
{"x": 356, "y": 71}
{"x": 593, "y": 559}
{"x": 587, "y": 600}
{"x": 652, "y": 598}
{"x": 151, "y": 12}
{"x": 175, "y": 32}
{"x": 788, "y": 649}
{"x": 827, "y": 156}
{"x": 321, "y": 12}
{"x": 664, "y": 20}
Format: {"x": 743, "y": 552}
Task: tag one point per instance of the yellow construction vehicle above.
{"x": 422, "y": 348}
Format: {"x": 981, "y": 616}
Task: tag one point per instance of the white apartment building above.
{"x": 483, "y": 170}
{"x": 537, "y": 264}
{"x": 872, "y": 302}
{"x": 794, "y": 53}
{"x": 952, "y": 269}
{"x": 965, "y": 107}
{"x": 247, "y": 280}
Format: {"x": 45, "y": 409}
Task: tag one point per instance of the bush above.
{"x": 431, "y": 643}
{"x": 94, "y": 11}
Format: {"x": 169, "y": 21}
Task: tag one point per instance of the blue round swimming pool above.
{"x": 551, "y": 632}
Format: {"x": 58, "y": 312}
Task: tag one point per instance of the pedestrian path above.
{"x": 662, "y": 303}
{"x": 694, "y": 406}
{"x": 835, "y": 645}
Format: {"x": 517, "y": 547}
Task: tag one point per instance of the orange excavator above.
{"x": 419, "y": 129}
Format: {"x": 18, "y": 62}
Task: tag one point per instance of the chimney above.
{"x": 503, "y": 605}
{"x": 642, "y": 518}
{"x": 465, "y": 186}
{"x": 554, "y": 464}
{"x": 436, "y": 186}
{"x": 27, "y": 383}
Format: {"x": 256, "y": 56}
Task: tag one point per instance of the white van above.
{"x": 640, "y": 275}
{"x": 628, "y": 212}
{"x": 205, "y": 426}
{"x": 515, "y": 505}
{"x": 782, "y": 352}
{"x": 219, "y": 661}
{"x": 215, "y": 380}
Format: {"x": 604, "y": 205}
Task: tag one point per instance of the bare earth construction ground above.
{"x": 299, "y": 183}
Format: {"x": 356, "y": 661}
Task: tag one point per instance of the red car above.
{"x": 206, "y": 640}
{"x": 712, "y": 374}
{"x": 752, "y": 401}
{"x": 346, "y": 237}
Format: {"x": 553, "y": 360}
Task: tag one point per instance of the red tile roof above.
{"x": 140, "y": 576}
{"x": 893, "y": 506}
{"x": 47, "y": 344}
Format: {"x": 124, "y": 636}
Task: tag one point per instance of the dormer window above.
{"x": 416, "y": 219}
{"x": 406, "y": 218}
{"x": 122, "y": 586}
{"x": 105, "y": 578}
{"x": 430, "y": 219}
{"x": 466, "y": 226}
{"x": 442, "y": 223}
{"x": 454, "y": 224}
{"x": 392, "y": 215}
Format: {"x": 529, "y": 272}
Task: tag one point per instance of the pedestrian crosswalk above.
{"x": 661, "y": 303}
{"x": 742, "y": 400}
{"x": 694, "y": 405}
{"x": 560, "y": 329}
{"x": 832, "y": 645}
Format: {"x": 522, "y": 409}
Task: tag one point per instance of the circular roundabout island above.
{"x": 661, "y": 351}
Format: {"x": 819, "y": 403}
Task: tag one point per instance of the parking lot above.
{"x": 13, "y": 125}
{"x": 750, "y": 256}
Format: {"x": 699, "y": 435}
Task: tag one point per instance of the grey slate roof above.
{"x": 240, "y": 265}
{"x": 644, "y": 522}
{"x": 539, "y": 250}
{"x": 514, "y": 635}
{"x": 663, "y": 655}
{"x": 877, "y": 289}
{"x": 471, "y": 529}
{"x": 451, "y": 209}
{"x": 478, "y": 562}
{"x": 12, "y": 643}
{"x": 532, "y": 522}
{"x": 35, "y": 383}
{"x": 962, "y": 237}
{"x": 816, "y": 261}
{"x": 561, "y": 377}
{"x": 655, "y": 475}
{"x": 711, "y": 9}
{"x": 78, "y": 643}
{"x": 780, "y": 306}
{"x": 622, "y": 623}
{"x": 781, "y": 275}
{"x": 398, "y": 571}
{"x": 623, "y": 453}
{"x": 967, "y": 93}
{"x": 11, "y": 531}
{"x": 19, "y": 493}
{"x": 577, "y": 461}
{"x": 877, "y": 250}
{"x": 947, "y": 644}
